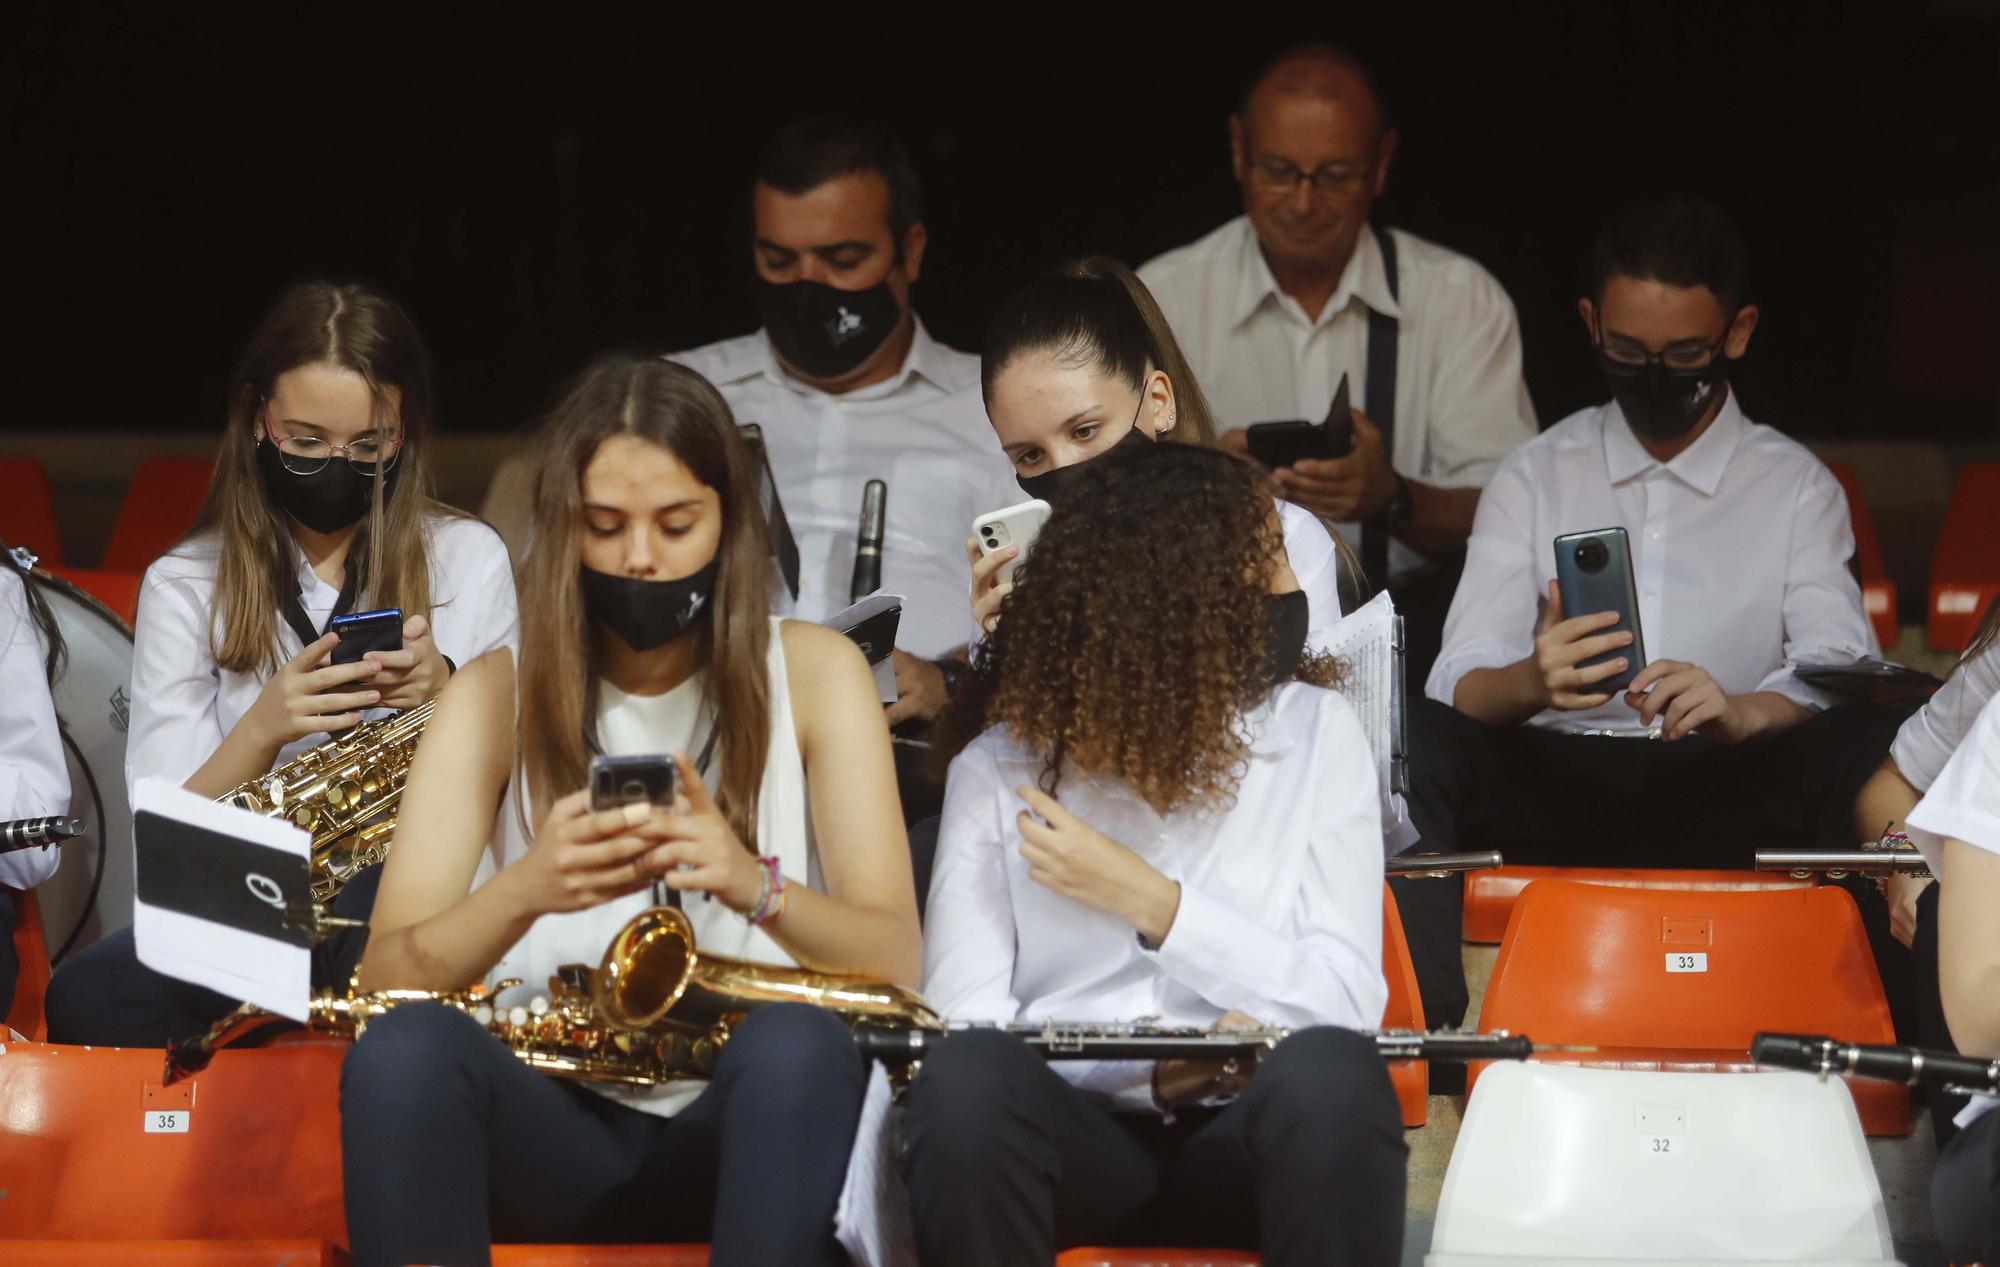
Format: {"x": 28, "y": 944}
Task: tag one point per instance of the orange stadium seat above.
{"x": 1674, "y": 980}
{"x": 1965, "y": 569}
{"x": 1490, "y": 895}
{"x": 28, "y": 509}
{"x": 1405, "y": 1011}
{"x": 256, "y": 1155}
{"x": 32, "y": 986}
{"x": 217, "y": 1253}
{"x": 160, "y": 506}
{"x": 1878, "y": 592}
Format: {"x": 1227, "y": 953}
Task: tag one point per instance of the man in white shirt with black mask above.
{"x": 1276, "y": 305}
{"x": 1740, "y": 546}
{"x": 848, "y": 387}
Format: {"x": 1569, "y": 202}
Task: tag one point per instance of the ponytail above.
{"x": 1096, "y": 311}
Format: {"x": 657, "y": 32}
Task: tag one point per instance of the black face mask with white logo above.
{"x": 647, "y": 614}
{"x": 1664, "y": 404}
{"x": 821, "y": 330}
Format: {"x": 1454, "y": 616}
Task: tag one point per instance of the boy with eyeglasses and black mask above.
{"x": 1740, "y": 547}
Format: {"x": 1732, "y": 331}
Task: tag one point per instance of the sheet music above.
{"x": 872, "y": 1219}
{"x": 217, "y": 946}
{"x": 1369, "y": 643}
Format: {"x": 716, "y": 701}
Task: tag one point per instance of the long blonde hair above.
{"x": 354, "y": 328}
{"x": 675, "y": 408}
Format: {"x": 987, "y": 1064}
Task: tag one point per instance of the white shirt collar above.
{"x": 1700, "y": 465}
{"x": 1365, "y": 278}
{"x": 755, "y": 358}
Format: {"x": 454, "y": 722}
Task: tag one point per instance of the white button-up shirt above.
{"x": 1740, "y": 550}
{"x": 184, "y": 704}
{"x": 1933, "y": 732}
{"x": 1964, "y": 804}
{"x": 1461, "y": 404}
{"x": 34, "y": 780}
{"x": 1281, "y": 895}
{"x": 923, "y": 432}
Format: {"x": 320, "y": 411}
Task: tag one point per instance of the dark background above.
{"x": 537, "y": 184}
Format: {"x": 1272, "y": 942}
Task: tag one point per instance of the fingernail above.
{"x": 638, "y": 812}
{"x": 374, "y": 697}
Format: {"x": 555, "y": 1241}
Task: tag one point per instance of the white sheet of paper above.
{"x": 872, "y": 1219}
{"x": 849, "y": 617}
{"x": 275, "y": 976}
{"x": 1364, "y": 642}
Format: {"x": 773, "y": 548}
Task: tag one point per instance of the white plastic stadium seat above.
{"x": 1579, "y": 1167}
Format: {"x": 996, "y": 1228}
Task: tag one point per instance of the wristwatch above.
{"x": 954, "y": 672}
{"x": 1396, "y": 513}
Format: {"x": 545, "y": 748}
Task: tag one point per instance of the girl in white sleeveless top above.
{"x": 646, "y": 629}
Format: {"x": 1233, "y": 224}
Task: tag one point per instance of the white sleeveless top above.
{"x": 632, "y": 725}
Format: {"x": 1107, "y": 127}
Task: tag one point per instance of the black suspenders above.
{"x": 1379, "y": 403}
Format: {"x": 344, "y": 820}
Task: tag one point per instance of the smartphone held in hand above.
{"x": 616, "y": 782}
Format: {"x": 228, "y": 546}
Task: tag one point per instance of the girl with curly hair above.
{"x": 1164, "y": 816}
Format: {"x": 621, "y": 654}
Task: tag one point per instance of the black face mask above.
{"x": 824, "y": 331}
{"x": 1664, "y": 404}
{"x": 1051, "y": 485}
{"x": 1290, "y": 616}
{"x": 647, "y": 614}
{"x": 329, "y": 499}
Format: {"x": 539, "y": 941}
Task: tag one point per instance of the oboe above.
{"x": 1914, "y": 1066}
{"x": 1152, "y": 1042}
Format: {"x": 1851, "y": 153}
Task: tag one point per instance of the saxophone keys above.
{"x": 483, "y": 1013}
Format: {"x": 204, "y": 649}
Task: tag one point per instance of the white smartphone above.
{"x": 1014, "y": 526}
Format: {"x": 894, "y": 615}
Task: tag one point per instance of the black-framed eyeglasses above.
{"x": 1681, "y": 359}
{"x": 1276, "y": 175}
{"x": 308, "y": 455}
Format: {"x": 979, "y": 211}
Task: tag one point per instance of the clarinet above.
{"x": 1913, "y": 1066}
{"x": 1839, "y": 862}
{"x": 27, "y": 833}
{"x": 902, "y": 1047}
{"x": 1440, "y": 864}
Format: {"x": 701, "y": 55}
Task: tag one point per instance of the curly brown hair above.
{"x": 1136, "y": 636}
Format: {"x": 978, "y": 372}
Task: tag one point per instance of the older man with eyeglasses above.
{"x": 1274, "y": 307}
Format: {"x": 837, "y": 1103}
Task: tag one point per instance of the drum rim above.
{"x": 89, "y": 599}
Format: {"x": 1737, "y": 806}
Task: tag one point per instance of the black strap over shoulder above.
{"x": 295, "y": 613}
{"x": 1379, "y": 403}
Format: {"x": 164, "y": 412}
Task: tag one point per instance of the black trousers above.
{"x": 450, "y": 1142}
{"x": 102, "y": 995}
{"x": 10, "y": 963}
{"x": 1006, "y": 1162}
{"x": 1542, "y": 797}
{"x": 1964, "y": 1188}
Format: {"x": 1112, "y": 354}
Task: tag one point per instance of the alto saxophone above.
{"x": 344, "y": 793}
{"x": 654, "y": 1010}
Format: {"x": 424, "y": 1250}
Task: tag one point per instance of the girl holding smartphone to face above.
{"x": 321, "y": 504}
{"x": 647, "y": 630}
{"x": 1081, "y": 362}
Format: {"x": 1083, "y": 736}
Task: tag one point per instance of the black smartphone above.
{"x": 621, "y": 781}
{"x": 1595, "y": 571}
{"x": 1281, "y": 444}
{"x": 363, "y": 632}
{"x": 784, "y": 548}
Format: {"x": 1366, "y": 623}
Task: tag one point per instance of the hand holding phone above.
{"x": 363, "y": 632}
{"x": 616, "y": 782}
{"x": 999, "y": 542}
{"x": 1587, "y": 657}
{"x": 1277, "y": 445}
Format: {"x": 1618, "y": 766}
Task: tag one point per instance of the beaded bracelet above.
{"x": 771, "y": 895}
